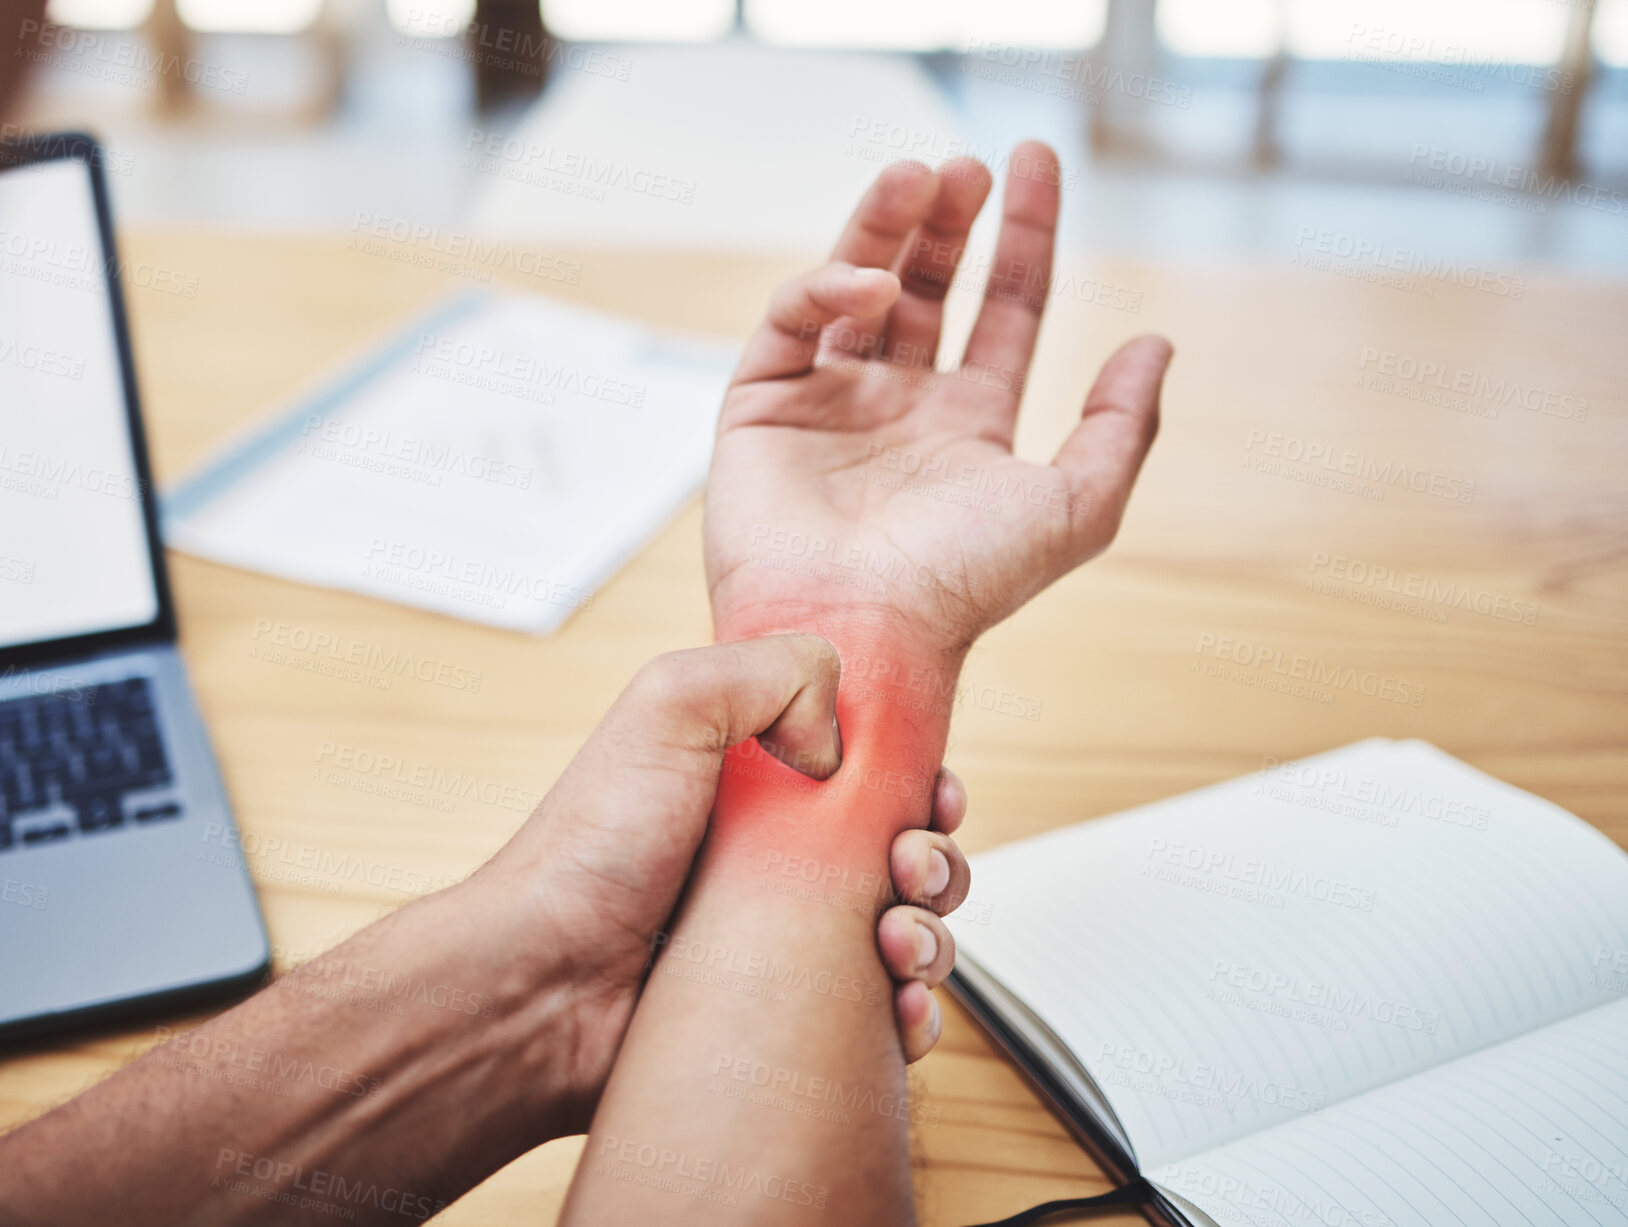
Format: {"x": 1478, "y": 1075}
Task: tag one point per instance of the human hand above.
{"x": 842, "y": 371}
{"x": 576, "y": 898}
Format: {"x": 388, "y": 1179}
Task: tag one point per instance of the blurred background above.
{"x": 1488, "y": 129}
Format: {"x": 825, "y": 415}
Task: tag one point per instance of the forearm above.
{"x": 378, "y": 1082}
{"x": 762, "y": 1077}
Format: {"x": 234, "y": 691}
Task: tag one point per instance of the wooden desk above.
{"x": 1230, "y": 541}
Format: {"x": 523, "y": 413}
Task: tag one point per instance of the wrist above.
{"x": 894, "y": 702}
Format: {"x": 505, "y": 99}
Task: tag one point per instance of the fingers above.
{"x": 928, "y": 868}
{"x": 949, "y": 802}
{"x": 891, "y": 208}
{"x": 875, "y": 237}
{"x": 931, "y": 258}
{"x": 920, "y": 1023}
{"x": 788, "y": 340}
{"x": 1104, "y": 453}
{"x": 915, "y": 945}
{"x": 782, "y": 687}
{"x": 1003, "y": 338}
{"x": 918, "y": 950}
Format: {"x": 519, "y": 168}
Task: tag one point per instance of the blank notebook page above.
{"x": 1530, "y": 1131}
{"x": 1249, "y": 954}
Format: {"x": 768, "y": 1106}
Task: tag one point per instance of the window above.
{"x": 672, "y": 21}
{"x": 928, "y": 25}
{"x": 249, "y": 16}
{"x": 430, "y": 18}
{"x": 99, "y": 14}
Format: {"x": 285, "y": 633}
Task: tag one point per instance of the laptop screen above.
{"x": 74, "y": 555}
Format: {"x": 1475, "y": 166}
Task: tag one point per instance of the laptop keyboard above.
{"x": 70, "y": 759}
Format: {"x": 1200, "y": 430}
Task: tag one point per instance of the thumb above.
{"x": 781, "y": 689}
{"x": 632, "y": 807}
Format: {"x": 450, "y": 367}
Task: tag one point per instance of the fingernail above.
{"x": 871, "y": 278}
{"x": 938, "y": 873}
{"x": 926, "y": 947}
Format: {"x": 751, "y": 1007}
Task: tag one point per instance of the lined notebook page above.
{"x": 1533, "y": 1131}
{"x": 1251, "y": 953}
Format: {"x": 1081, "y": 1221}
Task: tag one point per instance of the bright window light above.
{"x": 653, "y": 21}
{"x": 249, "y": 16}
{"x": 1611, "y": 32}
{"x": 1480, "y": 31}
{"x": 1246, "y": 29}
{"x": 927, "y": 25}
{"x": 430, "y": 18}
{"x": 99, "y": 14}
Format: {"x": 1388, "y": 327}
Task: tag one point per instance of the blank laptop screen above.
{"x": 73, "y": 542}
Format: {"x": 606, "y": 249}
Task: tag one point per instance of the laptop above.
{"x": 122, "y": 884}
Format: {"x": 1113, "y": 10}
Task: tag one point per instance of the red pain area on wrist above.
{"x": 893, "y": 710}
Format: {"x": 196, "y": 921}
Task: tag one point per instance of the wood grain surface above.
{"x": 1137, "y": 670}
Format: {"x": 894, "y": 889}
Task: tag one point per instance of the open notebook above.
{"x": 1373, "y": 987}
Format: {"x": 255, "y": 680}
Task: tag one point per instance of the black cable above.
{"x": 1134, "y": 1193}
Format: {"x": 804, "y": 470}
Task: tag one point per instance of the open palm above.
{"x": 851, "y": 475}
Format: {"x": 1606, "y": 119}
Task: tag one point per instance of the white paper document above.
{"x": 498, "y": 460}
